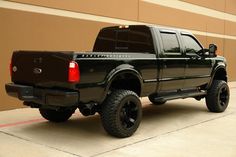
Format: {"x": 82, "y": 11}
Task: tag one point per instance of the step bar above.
{"x": 165, "y": 96}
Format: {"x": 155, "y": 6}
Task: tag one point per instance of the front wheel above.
{"x": 217, "y": 97}
{"x": 56, "y": 116}
{"x": 121, "y": 113}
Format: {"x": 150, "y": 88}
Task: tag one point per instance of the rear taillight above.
{"x": 74, "y": 73}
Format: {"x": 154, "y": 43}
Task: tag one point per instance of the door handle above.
{"x": 194, "y": 57}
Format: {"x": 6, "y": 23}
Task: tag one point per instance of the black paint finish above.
{"x": 154, "y": 71}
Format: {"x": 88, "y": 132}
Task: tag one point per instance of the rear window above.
{"x": 132, "y": 39}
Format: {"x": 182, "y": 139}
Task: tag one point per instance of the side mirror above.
{"x": 212, "y": 50}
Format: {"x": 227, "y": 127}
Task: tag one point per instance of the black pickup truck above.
{"x": 127, "y": 62}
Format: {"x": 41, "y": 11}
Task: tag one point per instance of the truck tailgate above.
{"x": 41, "y": 68}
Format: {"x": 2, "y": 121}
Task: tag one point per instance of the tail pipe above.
{"x": 88, "y": 109}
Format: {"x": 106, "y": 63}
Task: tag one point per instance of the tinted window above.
{"x": 132, "y": 39}
{"x": 191, "y": 45}
{"x": 170, "y": 42}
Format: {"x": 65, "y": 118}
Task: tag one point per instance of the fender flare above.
{"x": 218, "y": 67}
{"x": 121, "y": 69}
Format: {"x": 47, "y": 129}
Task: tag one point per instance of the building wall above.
{"x": 74, "y": 24}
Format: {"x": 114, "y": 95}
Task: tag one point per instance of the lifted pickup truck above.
{"x": 127, "y": 62}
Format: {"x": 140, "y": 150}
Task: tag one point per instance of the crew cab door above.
{"x": 172, "y": 61}
{"x": 198, "y": 68}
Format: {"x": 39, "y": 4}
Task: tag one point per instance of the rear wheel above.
{"x": 121, "y": 113}
{"x": 56, "y": 116}
{"x": 217, "y": 98}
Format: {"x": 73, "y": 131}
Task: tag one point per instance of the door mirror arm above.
{"x": 193, "y": 55}
{"x": 211, "y": 52}
{"x": 203, "y": 52}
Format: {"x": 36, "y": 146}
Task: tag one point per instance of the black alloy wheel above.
{"x": 224, "y": 96}
{"x": 128, "y": 114}
{"x": 217, "y": 97}
{"x": 121, "y": 113}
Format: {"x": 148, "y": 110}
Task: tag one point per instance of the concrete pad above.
{"x": 13, "y": 147}
{"x": 177, "y": 125}
{"x": 213, "y": 138}
{"x": 18, "y": 115}
{"x": 232, "y": 84}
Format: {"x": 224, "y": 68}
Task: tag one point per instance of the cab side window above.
{"x": 170, "y": 42}
{"x": 190, "y": 44}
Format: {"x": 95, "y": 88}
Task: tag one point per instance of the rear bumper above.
{"x": 46, "y": 97}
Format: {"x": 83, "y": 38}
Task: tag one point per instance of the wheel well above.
{"x": 220, "y": 75}
{"x": 127, "y": 81}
